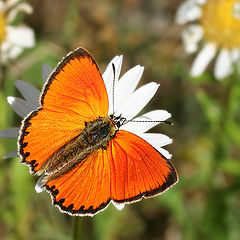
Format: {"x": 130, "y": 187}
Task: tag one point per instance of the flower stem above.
{"x": 83, "y": 228}
{"x": 2, "y": 75}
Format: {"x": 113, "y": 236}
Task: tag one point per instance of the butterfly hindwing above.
{"x": 84, "y": 190}
{"x": 137, "y": 169}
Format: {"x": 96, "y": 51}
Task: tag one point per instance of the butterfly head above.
{"x": 117, "y": 121}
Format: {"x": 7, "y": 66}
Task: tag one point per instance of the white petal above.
{"x": 108, "y": 74}
{"x": 141, "y": 127}
{"x": 11, "y": 3}
{"x": 108, "y": 78}
{"x": 164, "y": 152}
{"x": 11, "y": 154}
{"x": 9, "y": 51}
{"x": 20, "y": 106}
{"x": 223, "y": 66}
{"x": 9, "y": 133}
{"x": 46, "y": 71}
{"x": 38, "y": 189}
{"x": 118, "y": 66}
{"x": 201, "y": 2}
{"x": 29, "y": 92}
{"x": 17, "y": 38}
{"x": 156, "y": 139}
{"x": 40, "y": 183}
{"x": 191, "y": 37}
{"x": 108, "y": 71}
{"x": 188, "y": 11}
{"x": 118, "y": 206}
{"x": 21, "y": 36}
{"x": 127, "y": 84}
{"x": 137, "y": 101}
{"x": 20, "y": 7}
{"x": 14, "y": 52}
{"x": 203, "y": 58}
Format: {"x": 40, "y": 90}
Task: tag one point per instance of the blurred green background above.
{"x": 205, "y": 204}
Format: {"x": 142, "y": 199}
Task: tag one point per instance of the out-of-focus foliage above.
{"x": 205, "y": 204}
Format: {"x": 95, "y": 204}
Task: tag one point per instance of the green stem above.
{"x": 2, "y": 75}
{"x": 222, "y": 144}
{"x": 83, "y": 228}
{"x": 213, "y": 219}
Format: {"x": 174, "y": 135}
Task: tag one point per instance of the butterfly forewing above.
{"x": 73, "y": 94}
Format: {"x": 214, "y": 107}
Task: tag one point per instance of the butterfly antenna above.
{"x": 166, "y": 122}
{"x": 114, "y": 78}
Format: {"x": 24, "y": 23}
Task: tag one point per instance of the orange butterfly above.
{"x": 85, "y": 156}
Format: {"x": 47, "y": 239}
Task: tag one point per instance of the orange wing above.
{"x": 74, "y": 93}
{"x": 137, "y": 169}
{"x": 128, "y": 170}
{"x": 86, "y": 189}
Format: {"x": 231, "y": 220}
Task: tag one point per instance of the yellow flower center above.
{"x": 2, "y": 28}
{"x": 221, "y": 22}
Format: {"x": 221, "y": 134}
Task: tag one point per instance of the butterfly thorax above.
{"x": 94, "y": 136}
{"x": 99, "y": 132}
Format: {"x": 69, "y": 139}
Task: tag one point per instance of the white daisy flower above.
{"x": 128, "y": 102}
{"x": 125, "y": 105}
{"x": 217, "y": 22}
{"x": 13, "y": 39}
